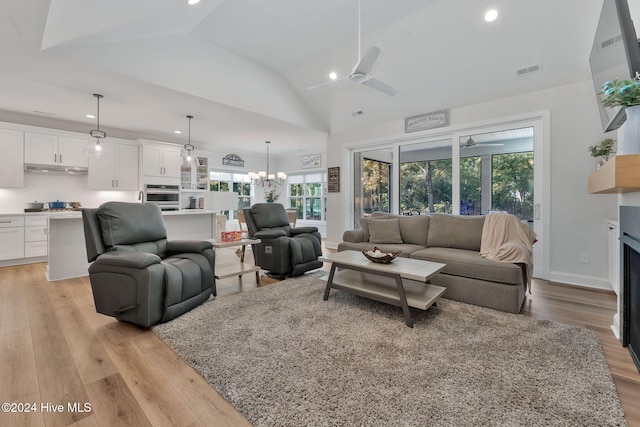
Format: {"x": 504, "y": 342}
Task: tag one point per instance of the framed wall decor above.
{"x": 333, "y": 180}
{"x": 431, "y": 120}
{"x": 312, "y": 161}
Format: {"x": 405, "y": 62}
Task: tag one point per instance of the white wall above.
{"x": 578, "y": 219}
{"x": 49, "y": 187}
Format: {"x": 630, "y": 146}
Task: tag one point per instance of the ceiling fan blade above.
{"x": 381, "y": 86}
{"x": 365, "y": 64}
{"x": 328, "y": 83}
{"x": 480, "y": 145}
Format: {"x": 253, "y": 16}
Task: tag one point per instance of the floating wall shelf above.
{"x": 621, "y": 174}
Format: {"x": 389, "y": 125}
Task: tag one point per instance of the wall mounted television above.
{"x": 615, "y": 55}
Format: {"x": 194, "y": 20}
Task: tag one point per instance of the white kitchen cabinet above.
{"x": 35, "y": 236}
{"x": 116, "y": 170}
{"x": 11, "y": 237}
{"x": 12, "y": 158}
{"x": 161, "y": 161}
{"x": 45, "y": 149}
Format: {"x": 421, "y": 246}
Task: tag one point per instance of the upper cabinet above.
{"x": 11, "y": 160}
{"x": 161, "y": 161}
{"x": 116, "y": 170}
{"x": 195, "y": 177}
{"x": 44, "y": 149}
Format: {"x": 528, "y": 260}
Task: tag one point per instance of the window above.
{"x": 308, "y": 193}
{"x": 240, "y": 183}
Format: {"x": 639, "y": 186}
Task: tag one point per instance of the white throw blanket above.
{"x": 505, "y": 238}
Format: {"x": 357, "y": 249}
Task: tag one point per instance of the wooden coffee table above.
{"x": 402, "y": 283}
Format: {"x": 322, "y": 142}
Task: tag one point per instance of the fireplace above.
{"x": 630, "y": 275}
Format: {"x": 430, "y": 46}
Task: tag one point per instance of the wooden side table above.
{"x": 234, "y": 269}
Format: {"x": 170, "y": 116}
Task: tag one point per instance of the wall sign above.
{"x": 232, "y": 160}
{"x": 333, "y": 180}
{"x": 312, "y": 161}
{"x": 431, "y": 120}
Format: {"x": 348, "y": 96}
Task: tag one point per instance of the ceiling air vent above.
{"x": 528, "y": 70}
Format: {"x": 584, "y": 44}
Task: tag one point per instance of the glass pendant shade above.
{"x": 97, "y": 147}
{"x": 188, "y": 158}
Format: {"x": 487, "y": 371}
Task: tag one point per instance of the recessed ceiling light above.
{"x": 192, "y": 2}
{"x": 491, "y": 15}
{"x": 177, "y": 131}
{"x": 90, "y": 116}
{"x": 333, "y": 75}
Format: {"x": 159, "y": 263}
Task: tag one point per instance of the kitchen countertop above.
{"x": 78, "y": 214}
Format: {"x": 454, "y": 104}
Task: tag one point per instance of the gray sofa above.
{"x": 450, "y": 239}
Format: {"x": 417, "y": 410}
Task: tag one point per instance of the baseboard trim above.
{"x": 580, "y": 280}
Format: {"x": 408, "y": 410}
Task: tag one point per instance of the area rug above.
{"x": 284, "y": 357}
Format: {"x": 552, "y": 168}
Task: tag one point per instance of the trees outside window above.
{"x": 425, "y": 187}
{"x": 512, "y": 184}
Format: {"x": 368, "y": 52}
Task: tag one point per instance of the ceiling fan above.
{"x": 360, "y": 72}
{"x": 471, "y": 143}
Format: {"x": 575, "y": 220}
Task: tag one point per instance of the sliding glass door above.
{"x": 497, "y": 173}
{"x": 372, "y": 182}
{"x": 426, "y": 177}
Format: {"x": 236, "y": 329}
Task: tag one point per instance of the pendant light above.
{"x": 99, "y": 147}
{"x": 187, "y": 157}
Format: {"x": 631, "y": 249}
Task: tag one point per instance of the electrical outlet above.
{"x": 584, "y": 258}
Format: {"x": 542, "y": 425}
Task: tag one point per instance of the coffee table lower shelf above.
{"x": 384, "y": 289}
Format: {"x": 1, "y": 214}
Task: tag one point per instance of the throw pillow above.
{"x": 384, "y": 231}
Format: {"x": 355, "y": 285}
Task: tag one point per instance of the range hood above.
{"x": 57, "y": 169}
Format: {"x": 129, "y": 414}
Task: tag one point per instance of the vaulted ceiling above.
{"x": 242, "y": 67}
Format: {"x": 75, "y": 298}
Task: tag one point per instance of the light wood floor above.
{"x": 55, "y": 349}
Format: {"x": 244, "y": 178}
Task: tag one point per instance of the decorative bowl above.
{"x": 376, "y": 255}
{"x": 75, "y": 205}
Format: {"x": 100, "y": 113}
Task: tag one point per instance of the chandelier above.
{"x": 264, "y": 178}
{"x": 98, "y": 147}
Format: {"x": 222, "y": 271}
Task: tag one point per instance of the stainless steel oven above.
{"x": 165, "y": 196}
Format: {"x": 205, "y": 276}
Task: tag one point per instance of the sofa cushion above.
{"x": 455, "y": 231}
{"x": 364, "y": 222}
{"x": 414, "y": 229}
{"x": 384, "y": 231}
{"x": 464, "y": 263}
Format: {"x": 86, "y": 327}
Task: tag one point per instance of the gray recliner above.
{"x": 283, "y": 251}
{"x": 137, "y": 275}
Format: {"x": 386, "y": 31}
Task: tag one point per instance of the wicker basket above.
{"x": 390, "y": 256}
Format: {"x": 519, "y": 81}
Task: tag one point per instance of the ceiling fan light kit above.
{"x": 360, "y": 72}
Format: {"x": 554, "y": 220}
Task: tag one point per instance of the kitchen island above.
{"x": 67, "y": 255}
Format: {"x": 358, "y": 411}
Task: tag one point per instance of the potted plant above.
{"x": 603, "y": 149}
{"x": 271, "y": 196}
{"x": 626, "y": 94}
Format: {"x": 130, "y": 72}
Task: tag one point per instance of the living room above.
{"x": 562, "y": 110}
